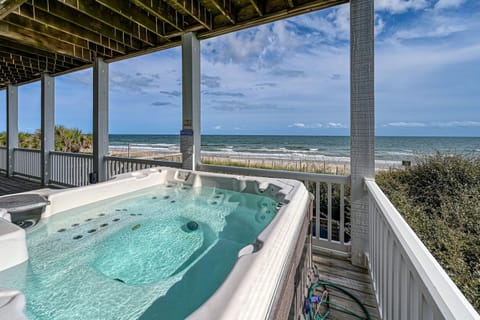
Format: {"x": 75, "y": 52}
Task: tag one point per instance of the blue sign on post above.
{"x": 186, "y": 132}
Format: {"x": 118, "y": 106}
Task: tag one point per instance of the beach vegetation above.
{"x": 66, "y": 140}
{"x": 439, "y": 197}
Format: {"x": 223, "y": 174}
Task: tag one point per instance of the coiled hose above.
{"x": 325, "y": 299}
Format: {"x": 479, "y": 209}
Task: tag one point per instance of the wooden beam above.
{"x": 36, "y": 65}
{"x": 40, "y": 41}
{"x": 43, "y": 29}
{"x": 7, "y": 6}
{"x": 136, "y": 15}
{"x": 225, "y": 7}
{"x": 162, "y": 11}
{"x": 53, "y": 22}
{"x": 290, "y": 3}
{"x": 196, "y": 10}
{"x": 75, "y": 17}
{"x": 9, "y": 52}
{"x": 105, "y": 15}
{"x": 257, "y": 6}
{"x": 13, "y": 46}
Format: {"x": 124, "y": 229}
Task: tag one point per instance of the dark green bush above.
{"x": 439, "y": 197}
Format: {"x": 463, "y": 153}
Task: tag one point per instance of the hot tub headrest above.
{"x": 23, "y": 202}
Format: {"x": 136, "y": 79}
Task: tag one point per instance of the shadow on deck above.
{"x": 353, "y": 279}
{"x": 10, "y": 185}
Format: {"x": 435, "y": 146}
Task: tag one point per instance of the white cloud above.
{"x": 330, "y": 125}
{"x": 446, "y": 4}
{"x": 305, "y": 126}
{"x": 446, "y": 124}
{"x": 336, "y": 125}
{"x": 456, "y": 124}
{"x": 379, "y": 24}
{"x": 405, "y": 124}
{"x": 218, "y": 128}
{"x": 400, "y": 6}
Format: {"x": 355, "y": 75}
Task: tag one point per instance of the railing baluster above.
{"x": 329, "y": 210}
{"x": 317, "y": 210}
{"x": 342, "y": 213}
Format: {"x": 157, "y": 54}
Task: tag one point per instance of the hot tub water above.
{"x": 134, "y": 255}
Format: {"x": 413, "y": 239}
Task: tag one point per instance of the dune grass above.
{"x": 439, "y": 197}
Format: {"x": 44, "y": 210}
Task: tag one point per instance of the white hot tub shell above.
{"x": 260, "y": 285}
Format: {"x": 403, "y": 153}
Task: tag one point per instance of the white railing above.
{"x": 3, "y": 158}
{"x": 331, "y": 228}
{"x": 119, "y": 165}
{"x": 27, "y": 162}
{"x": 70, "y": 169}
{"x": 408, "y": 281}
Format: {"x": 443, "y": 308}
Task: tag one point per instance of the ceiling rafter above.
{"x": 257, "y": 6}
{"x": 43, "y": 42}
{"x": 129, "y": 11}
{"x": 75, "y": 30}
{"x": 225, "y": 7}
{"x": 71, "y": 15}
{"x": 162, "y": 11}
{"x": 196, "y": 10}
{"x": 8, "y": 6}
{"x": 105, "y": 15}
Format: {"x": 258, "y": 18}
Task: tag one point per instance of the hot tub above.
{"x": 165, "y": 243}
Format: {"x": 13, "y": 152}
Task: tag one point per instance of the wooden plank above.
{"x": 15, "y": 185}
{"x": 354, "y": 279}
{"x": 162, "y": 11}
{"x": 136, "y": 15}
{"x": 225, "y": 8}
{"x": 257, "y": 6}
{"x": 196, "y": 10}
{"x": 107, "y": 16}
{"x": 8, "y": 6}
{"x": 42, "y": 42}
{"x": 53, "y": 22}
{"x": 337, "y": 263}
{"x": 71, "y": 15}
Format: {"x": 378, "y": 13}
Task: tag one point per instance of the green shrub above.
{"x": 66, "y": 140}
{"x": 439, "y": 197}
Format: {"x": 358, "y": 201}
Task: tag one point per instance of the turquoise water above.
{"x": 137, "y": 256}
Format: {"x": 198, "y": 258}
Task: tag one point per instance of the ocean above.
{"x": 321, "y": 148}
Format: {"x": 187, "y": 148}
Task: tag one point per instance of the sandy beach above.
{"x": 337, "y": 166}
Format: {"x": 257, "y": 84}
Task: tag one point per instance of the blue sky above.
{"x": 292, "y": 77}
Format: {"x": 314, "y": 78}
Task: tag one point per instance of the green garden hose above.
{"x": 311, "y": 299}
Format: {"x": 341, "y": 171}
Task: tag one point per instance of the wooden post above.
{"x": 47, "y": 125}
{"x": 362, "y": 130}
{"x": 190, "y": 134}
{"x": 100, "y": 120}
{"x": 12, "y": 126}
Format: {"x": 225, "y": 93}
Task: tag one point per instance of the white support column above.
{"x": 47, "y": 125}
{"x": 362, "y": 122}
{"x": 190, "y": 134}
{"x": 100, "y": 120}
{"x": 12, "y": 126}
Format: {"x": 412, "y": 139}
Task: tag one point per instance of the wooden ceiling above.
{"x": 59, "y": 36}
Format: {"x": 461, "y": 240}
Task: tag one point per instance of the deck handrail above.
{"x": 70, "y": 169}
{"x": 27, "y": 162}
{"x": 331, "y": 228}
{"x": 3, "y": 158}
{"x": 409, "y": 283}
{"x": 72, "y": 154}
{"x": 119, "y": 165}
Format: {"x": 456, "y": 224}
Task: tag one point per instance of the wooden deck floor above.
{"x": 12, "y": 185}
{"x": 354, "y": 279}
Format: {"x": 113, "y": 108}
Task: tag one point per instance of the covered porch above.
{"x": 356, "y": 226}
